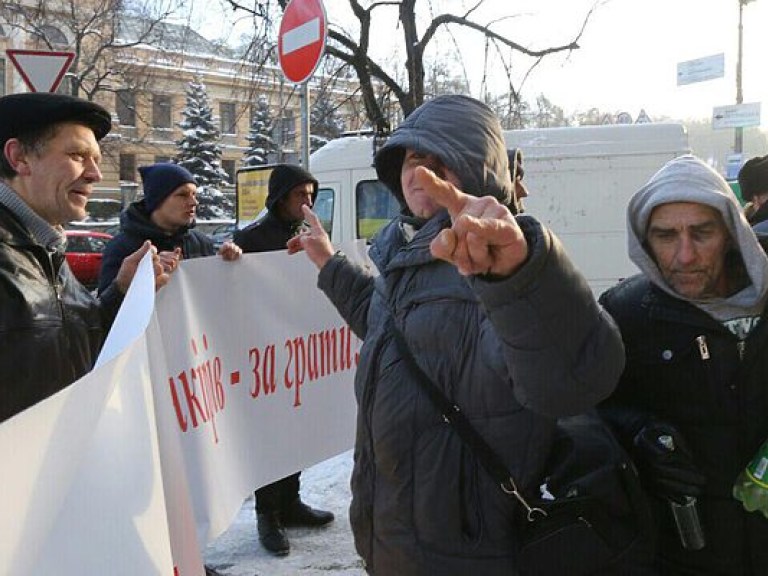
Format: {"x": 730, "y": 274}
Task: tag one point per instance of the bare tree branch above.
{"x": 354, "y": 52}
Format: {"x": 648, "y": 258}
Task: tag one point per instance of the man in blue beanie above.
{"x": 166, "y": 216}
{"x": 278, "y": 504}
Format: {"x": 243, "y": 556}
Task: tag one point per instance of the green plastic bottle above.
{"x": 751, "y": 487}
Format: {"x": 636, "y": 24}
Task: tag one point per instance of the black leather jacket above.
{"x": 685, "y": 368}
{"x": 51, "y": 327}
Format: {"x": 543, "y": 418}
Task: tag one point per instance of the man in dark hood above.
{"x": 278, "y": 504}
{"x": 493, "y": 311}
{"x": 694, "y": 393}
{"x": 290, "y": 187}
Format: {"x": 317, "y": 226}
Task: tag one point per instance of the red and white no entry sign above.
{"x": 301, "y": 40}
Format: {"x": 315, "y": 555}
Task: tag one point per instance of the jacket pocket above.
{"x": 458, "y": 510}
{"x": 684, "y": 374}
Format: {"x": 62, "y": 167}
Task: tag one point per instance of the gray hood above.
{"x": 464, "y": 133}
{"x": 688, "y": 179}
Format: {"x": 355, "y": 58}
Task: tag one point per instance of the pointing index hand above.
{"x": 484, "y": 237}
{"x": 441, "y": 191}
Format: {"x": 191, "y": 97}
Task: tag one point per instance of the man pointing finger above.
{"x": 492, "y": 310}
{"x": 484, "y": 237}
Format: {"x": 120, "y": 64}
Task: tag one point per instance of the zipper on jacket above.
{"x": 703, "y": 348}
{"x": 56, "y": 285}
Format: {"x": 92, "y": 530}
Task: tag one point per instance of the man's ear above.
{"x": 16, "y": 156}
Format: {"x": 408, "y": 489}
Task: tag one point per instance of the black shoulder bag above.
{"x": 596, "y": 520}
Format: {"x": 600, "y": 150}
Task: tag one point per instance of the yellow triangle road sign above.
{"x": 42, "y": 70}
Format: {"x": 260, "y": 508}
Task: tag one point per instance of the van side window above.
{"x": 323, "y": 207}
{"x": 376, "y": 206}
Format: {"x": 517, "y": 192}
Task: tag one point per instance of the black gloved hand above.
{"x": 666, "y": 463}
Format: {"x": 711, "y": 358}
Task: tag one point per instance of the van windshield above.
{"x": 376, "y": 206}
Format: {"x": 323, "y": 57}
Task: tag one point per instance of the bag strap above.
{"x": 452, "y": 414}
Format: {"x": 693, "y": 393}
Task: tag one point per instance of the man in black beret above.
{"x": 51, "y": 327}
{"x": 753, "y": 181}
{"x": 290, "y": 188}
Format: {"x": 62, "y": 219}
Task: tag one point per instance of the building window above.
{"x": 323, "y": 208}
{"x": 128, "y": 167}
{"x": 2, "y": 77}
{"x": 376, "y": 206}
{"x": 53, "y": 35}
{"x": 125, "y": 106}
{"x": 161, "y": 111}
{"x": 228, "y": 120}
{"x": 229, "y": 167}
{"x": 65, "y": 86}
{"x": 286, "y": 130}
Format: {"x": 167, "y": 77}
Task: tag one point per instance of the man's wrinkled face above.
{"x": 416, "y": 198}
{"x": 178, "y": 209}
{"x": 59, "y": 177}
{"x": 689, "y": 243}
{"x": 290, "y": 205}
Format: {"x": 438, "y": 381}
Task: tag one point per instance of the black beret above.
{"x": 27, "y": 112}
{"x": 753, "y": 177}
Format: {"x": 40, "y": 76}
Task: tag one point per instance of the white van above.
{"x": 579, "y": 181}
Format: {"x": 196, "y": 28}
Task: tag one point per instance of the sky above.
{"x": 631, "y": 49}
{"x": 628, "y": 57}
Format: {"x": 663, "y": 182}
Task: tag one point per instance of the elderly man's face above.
{"x": 689, "y": 242}
{"x": 60, "y": 177}
{"x": 418, "y": 201}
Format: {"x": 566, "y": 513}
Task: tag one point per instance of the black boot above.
{"x": 299, "y": 514}
{"x": 272, "y": 535}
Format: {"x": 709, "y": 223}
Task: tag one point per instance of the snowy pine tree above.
{"x": 260, "y": 142}
{"x": 200, "y": 153}
{"x": 324, "y": 122}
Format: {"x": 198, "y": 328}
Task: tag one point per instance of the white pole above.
{"x": 305, "y": 125}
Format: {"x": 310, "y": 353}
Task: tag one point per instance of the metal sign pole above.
{"x": 305, "y": 125}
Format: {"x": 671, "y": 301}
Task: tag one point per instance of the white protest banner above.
{"x": 240, "y": 375}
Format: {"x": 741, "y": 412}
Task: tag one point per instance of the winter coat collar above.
{"x": 135, "y": 221}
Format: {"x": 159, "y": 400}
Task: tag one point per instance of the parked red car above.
{"x": 84, "y": 248}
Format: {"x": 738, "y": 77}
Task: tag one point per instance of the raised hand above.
{"x": 313, "y": 240}
{"x": 128, "y": 268}
{"x": 484, "y": 237}
{"x": 170, "y": 259}
{"x": 229, "y": 251}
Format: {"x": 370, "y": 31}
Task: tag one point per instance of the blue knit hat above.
{"x": 160, "y": 180}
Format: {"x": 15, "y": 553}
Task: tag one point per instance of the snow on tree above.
{"x": 200, "y": 153}
{"x": 324, "y": 122}
{"x": 260, "y": 141}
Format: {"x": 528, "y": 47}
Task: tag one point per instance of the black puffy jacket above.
{"x": 266, "y": 234}
{"x": 51, "y": 327}
{"x": 718, "y": 401}
{"x": 135, "y": 228}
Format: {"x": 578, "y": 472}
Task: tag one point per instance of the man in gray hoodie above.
{"x": 693, "y": 398}
{"x": 493, "y": 311}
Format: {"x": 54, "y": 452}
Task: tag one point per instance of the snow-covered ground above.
{"x": 314, "y": 552}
